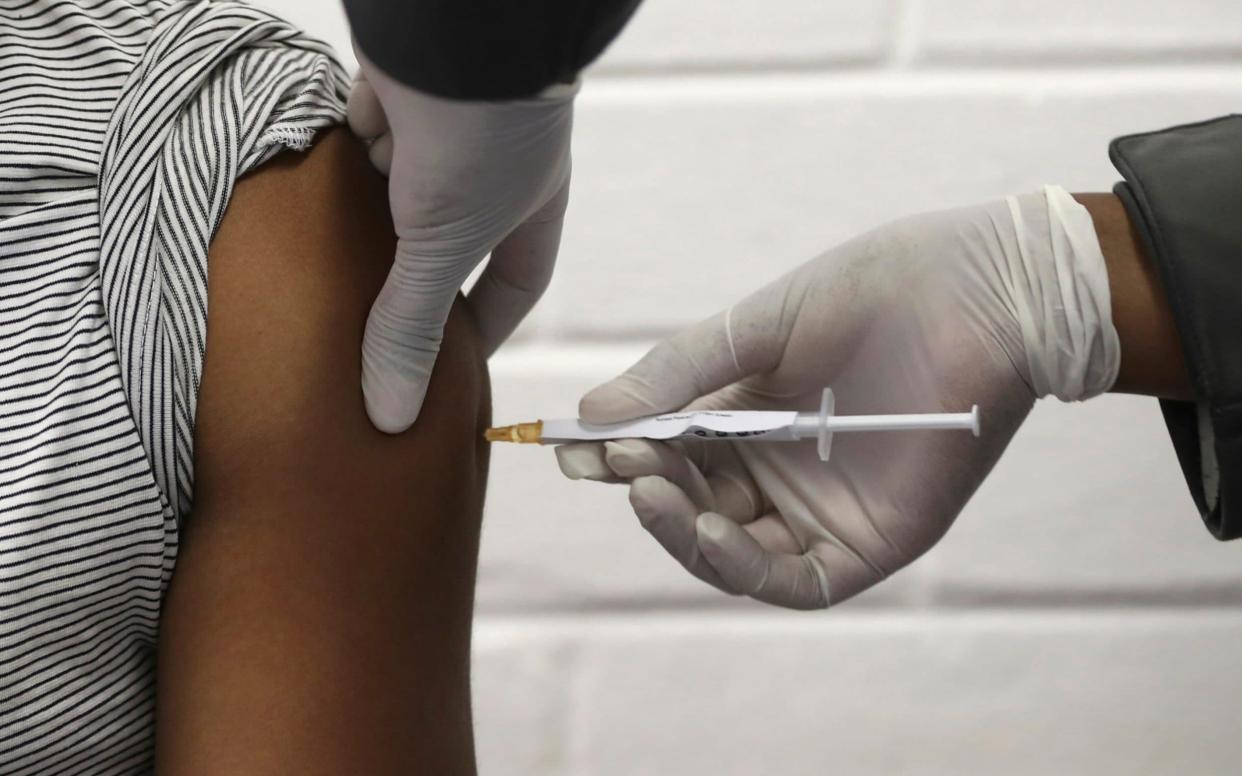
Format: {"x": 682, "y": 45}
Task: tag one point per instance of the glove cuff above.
{"x": 1061, "y": 296}
{"x": 562, "y": 89}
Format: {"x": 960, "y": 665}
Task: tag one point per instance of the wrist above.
{"x": 562, "y": 89}
{"x": 1151, "y": 355}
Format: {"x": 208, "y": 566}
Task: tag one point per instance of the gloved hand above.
{"x": 994, "y": 305}
{"x": 465, "y": 179}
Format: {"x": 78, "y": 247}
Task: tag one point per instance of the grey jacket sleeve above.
{"x": 485, "y": 49}
{"x": 1183, "y": 192}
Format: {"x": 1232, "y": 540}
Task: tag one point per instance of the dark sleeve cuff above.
{"x": 485, "y": 49}
{"x": 1183, "y": 192}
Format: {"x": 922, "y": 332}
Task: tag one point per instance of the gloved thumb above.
{"x": 403, "y": 337}
{"x": 721, "y": 350}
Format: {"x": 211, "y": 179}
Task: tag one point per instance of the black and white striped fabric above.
{"x": 123, "y": 126}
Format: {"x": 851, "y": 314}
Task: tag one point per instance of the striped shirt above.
{"x": 123, "y": 126}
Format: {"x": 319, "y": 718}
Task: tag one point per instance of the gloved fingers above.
{"x": 518, "y": 272}
{"x": 709, "y": 355}
{"x": 737, "y": 495}
{"x": 368, "y": 121}
{"x": 772, "y": 532}
{"x": 669, "y": 515}
{"x": 746, "y": 566}
{"x": 633, "y": 458}
{"x": 755, "y": 392}
{"x": 380, "y": 151}
{"x": 363, "y": 110}
{"x": 403, "y": 336}
{"x": 730, "y": 493}
{"x": 726, "y": 397}
{"x": 692, "y": 449}
{"x": 585, "y": 461}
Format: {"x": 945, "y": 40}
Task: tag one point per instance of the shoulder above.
{"x": 299, "y": 257}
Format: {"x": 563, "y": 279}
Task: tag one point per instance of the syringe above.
{"x": 766, "y": 426}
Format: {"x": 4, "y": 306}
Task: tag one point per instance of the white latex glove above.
{"x": 465, "y": 179}
{"x": 994, "y": 305}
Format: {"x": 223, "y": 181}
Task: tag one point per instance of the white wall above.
{"x": 1077, "y": 619}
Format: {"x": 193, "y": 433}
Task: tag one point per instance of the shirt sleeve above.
{"x": 1183, "y": 192}
{"x": 485, "y": 49}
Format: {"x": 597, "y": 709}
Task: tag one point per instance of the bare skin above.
{"x": 1151, "y": 355}
{"x": 318, "y": 621}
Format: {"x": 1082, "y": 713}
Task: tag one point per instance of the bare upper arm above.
{"x": 318, "y": 619}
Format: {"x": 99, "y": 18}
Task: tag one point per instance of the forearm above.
{"x": 1151, "y": 354}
